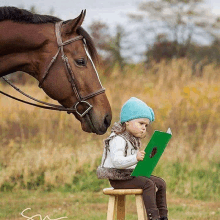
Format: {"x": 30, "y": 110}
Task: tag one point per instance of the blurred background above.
{"x": 165, "y": 52}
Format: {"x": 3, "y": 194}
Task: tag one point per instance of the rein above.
{"x": 47, "y": 105}
{"x": 70, "y": 76}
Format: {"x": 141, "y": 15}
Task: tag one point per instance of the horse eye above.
{"x": 81, "y": 62}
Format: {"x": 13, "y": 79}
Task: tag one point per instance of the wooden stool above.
{"x": 117, "y": 203}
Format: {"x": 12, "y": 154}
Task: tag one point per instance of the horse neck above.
{"x": 20, "y": 44}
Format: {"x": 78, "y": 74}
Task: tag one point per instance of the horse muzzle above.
{"x": 92, "y": 124}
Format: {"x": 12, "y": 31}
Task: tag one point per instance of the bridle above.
{"x": 70, "y": 76}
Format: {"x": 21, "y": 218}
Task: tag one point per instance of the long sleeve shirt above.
{"x": 116, "y": 157}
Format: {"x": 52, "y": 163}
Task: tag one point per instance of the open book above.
{"x": 154, "y": 150}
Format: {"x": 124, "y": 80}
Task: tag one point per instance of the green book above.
{"x": 154, "y": 150}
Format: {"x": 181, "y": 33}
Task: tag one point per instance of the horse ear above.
{"x": 72, "y": 25}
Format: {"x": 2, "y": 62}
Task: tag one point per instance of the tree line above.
{"x": 179, "y": 29}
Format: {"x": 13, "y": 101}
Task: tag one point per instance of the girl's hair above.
{"x": 123, "y": 124}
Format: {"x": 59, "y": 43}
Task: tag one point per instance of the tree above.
{"x": 163, "y": 48}
{"x": 115, "y": 47}
{"x": 101, "y": 36}
{"x": 182, "y": 21}
{"x": 109, "y": 46}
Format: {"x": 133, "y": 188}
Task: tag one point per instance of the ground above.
{"x": 93, "y": 205}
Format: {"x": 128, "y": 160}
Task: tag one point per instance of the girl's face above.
{"x": 137, "y": 127}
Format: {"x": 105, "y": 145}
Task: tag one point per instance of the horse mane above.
{"x": 25, "y": 16}
{"x": 89, "y": 42}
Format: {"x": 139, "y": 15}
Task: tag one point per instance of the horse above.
{"x": 61, "y": 56}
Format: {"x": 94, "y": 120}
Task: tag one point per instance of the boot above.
{"x": 163, "y": 218}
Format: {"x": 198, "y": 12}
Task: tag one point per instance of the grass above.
{"x": 47, "y": 158}
{"x": 93, "y": 205}
{"x": 191, "y": 194}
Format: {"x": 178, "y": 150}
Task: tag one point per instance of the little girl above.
{"x": 122, "y": 152}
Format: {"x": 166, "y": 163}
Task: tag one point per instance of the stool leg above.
{"x": 121, "y": 207}
{"x": 140, "y": 207}
{"x": 111, "y": 208}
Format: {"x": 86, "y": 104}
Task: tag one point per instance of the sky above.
{"x": 111, "y": 12}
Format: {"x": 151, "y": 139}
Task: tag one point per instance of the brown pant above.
{"x": 155, "y": 202}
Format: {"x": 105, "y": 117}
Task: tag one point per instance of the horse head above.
{"x": 67, "y": 74}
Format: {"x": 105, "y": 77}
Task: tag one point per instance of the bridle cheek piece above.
{"x": 69, "y": 72}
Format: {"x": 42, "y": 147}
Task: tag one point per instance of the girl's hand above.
{"x": 140, "y": 155}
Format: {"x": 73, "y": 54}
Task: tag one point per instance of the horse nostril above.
{"x": 107, "y": 120}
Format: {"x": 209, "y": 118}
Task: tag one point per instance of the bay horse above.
{"x": 60, "y": 55}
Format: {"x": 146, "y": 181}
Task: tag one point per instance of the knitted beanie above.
{"x": 135, "y": 108}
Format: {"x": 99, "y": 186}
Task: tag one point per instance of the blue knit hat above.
{"x": 135, "y": 108}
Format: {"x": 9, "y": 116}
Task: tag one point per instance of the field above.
{"x": 47, "y": 163}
